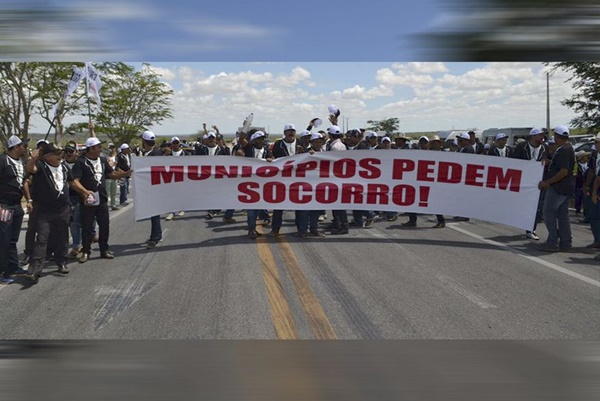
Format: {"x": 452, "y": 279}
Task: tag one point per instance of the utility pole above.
{"x": 548, "y": 101}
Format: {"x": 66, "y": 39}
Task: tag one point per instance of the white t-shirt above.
{"x": 535, "y": 152}
{"x": 177, "y": 152}
{"x": 212, "y": 151}
{"x": 19, "y": 169}
{"x": 502, "y": 151}
{"x": 97, "y": 165}
{"x": 57, "y": 176}
{"x": 258, "y": 153}
{"x": 291, "y": 147}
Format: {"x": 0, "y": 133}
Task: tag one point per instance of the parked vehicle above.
{"x": 513, "y": 134}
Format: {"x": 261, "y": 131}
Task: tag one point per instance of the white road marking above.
{"x": 535, "y": 259}
{"x": 471, "y": 296}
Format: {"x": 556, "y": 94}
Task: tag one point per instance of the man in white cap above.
{"x": 175, "y": 149}
{"x": 212, "y": 148}
{"x": 149, "y": 149}
{"x": 464, "y": 145}
{"x": 339, "y": 224}
{"x": 284, "y": 147}
{"x": 90, "y": 172}
{"x": 499, "y": 149}
{"x": 12, "y": 178}
{"x": 535, "y": 150}
{"x": 256, "y": 149}
{"x": 124, "y": 164}
{"x": 560, "y": 187}
{"x": 304, "y": 140}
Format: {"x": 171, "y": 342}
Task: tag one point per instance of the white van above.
{"x": 514, "y": 135}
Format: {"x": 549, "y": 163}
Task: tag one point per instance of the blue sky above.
{"x": 234, "y": 30}
{"x": 286, "y": 61}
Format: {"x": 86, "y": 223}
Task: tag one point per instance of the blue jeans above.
{"x": 228, "y": 214}
{"x": 155, "y": 230}
{"x": 556, "y": 217}
{"x": 76, "y": 222}
{"x": 252, "y": 216}
{"x": 124, "y": 189}
{"x": 594, "y": 214}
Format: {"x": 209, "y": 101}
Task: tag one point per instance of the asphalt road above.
{"x": 207, "y": 280}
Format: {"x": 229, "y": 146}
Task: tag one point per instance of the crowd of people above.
{"x": 69, "y": 192}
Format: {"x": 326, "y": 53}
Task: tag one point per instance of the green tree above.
{"x": 132, "y": 101}
{"x": 388, "y": 125}
{"x": 586, "y": 100}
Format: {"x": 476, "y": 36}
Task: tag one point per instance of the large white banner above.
{"x": 484, "y": 187}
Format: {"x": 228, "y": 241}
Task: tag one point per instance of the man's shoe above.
{"x": 316, "y": 234}
{"x": 547, "y": 247}
{"x": 359, "y": 224}
{"x": 274, "y": 233}
{"x": 123, "y": 204}
{"x": 6, "y": 280}
{"x": 409, "y": 224}
{"x": 440, "y": 225}
{"x": 229, "y": 220}
{"x": 322, "y": 217}
{"x": 302, "y": 235}
{"x": 169, "y": 217}
{"x": 114, "y": 208}
{"x": 107, "y": 255}
{"x": 597, "y": 258}
{"x": 150, "y": 244}
{"x": 532, "y": 235}
{"x": 84, "y": 257}
{"x": 181, "y": 214}
{"x": 340, "y": 230}
{"x": 392, "y": 218}
{"x": 368, "y": 222}
{"x": 593, "y": 245}
{"x": 209, "y": 216}
{"x": 25, "y": 261}
{"x": 75, "y": 252}
{"x": 252, "y": 234}
{"x": 63, "y": 269}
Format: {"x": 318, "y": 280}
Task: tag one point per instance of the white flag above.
{"x": 74, "y": 82}
{"x": 93, "y": 82}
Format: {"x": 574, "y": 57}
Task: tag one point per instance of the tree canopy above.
{"x": 387, "y": 125}
{"x": 586, "y": 100}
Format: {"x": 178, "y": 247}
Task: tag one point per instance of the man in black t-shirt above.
{"x": 90, "y": 172}
{"x": 560, "y": 186}
{"x": 12, "y": 177}
{"x": 51, "y": 185}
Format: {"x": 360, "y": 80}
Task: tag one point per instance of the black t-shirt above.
{"x": 93, "y": 175}
{"x": 48, "y": 198}
{"x": 564, "y": 157}
{"x": 12, "y": 176}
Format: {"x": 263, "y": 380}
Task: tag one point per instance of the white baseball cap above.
{"x": 316, "y": 135}
{"x": 15, "y": 140}
{"x": 500, "y": 136}
{"x": 175, "y": 139}
{"x": 386, "y": 139}
{"x": 333, "y": 130}
{"x": 211, "y": 134}
{"x": 535, "y": 131}
{"x": 256, "y": 135}
{"x": 371, "y": 134}
{"x": 562, "y": 131}
{"x": 124, "y": 146}
{"x": 93, "y": 141}
{"x": 305, "y": 133}
{"x": 464, "y": 135}
{"x": 424, "y": 138}
{"x": 289, "y": 127}
{"x": 148, "y": 136}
